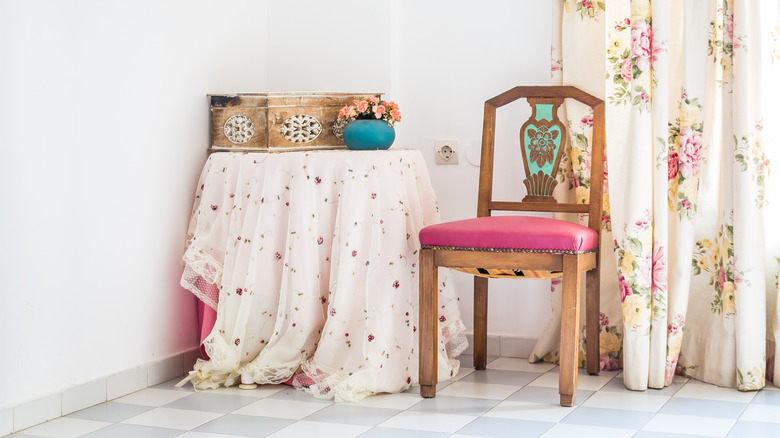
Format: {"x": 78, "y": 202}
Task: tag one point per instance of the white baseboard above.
{"x": 31, "y": 413}
{"x": 504, "y": 345}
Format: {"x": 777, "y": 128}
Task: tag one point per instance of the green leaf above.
{"x": 635, "y": 245}
{"x": 582, "y": 141}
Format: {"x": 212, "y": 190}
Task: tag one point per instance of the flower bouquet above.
{"x": 368, "y": 109}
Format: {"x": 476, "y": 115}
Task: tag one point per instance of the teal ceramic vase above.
{"x": 368, "y": 134}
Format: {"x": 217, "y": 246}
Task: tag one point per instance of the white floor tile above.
{"x": 696, "y": 389}
{"x": 579, "y": 431}
{"x": 65, "y": 427}
{"x": 290, "y": 409}
{"x": 763, "y": 413}
{"x": 463, "y": 372}
{"x": 632, "y": 400}
{"x": 126, "y": 382}
{"x": 584, "y": 381}
{"x": 684, "y": 424}
{"x": 320, "y": 430}
{"x": 593, "y": 383}
{"x": 173, "y": 418}
{"x": 204, "y": 435}
{"x": 479, "y": 390}
{"x": 83, "y": 396}
{"x": 682, "y": 413}
{"x": 37, "y": 411}
{"x": 528, "y": 411}
{"x": 457, "y": 435}
{"x": 518, "y": 364}
{"x": 261, "y": 391}
{"x": 400, "y": 401}
{"x": 429, "y": 421}
{"x": 152, "y": 397}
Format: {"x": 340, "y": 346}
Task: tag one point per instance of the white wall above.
{"x": 104, "y": 128}
{"x": 103, "y": 131}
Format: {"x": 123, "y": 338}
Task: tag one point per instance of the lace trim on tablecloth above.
{"x": 201, "y": 276}
{"x": 324, "y": 383}
{"x": 207, "y": 375}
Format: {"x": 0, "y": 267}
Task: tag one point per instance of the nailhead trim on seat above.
{"x": 519, "y": 250}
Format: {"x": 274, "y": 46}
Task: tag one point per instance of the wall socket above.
{"x": 446, "y": 151}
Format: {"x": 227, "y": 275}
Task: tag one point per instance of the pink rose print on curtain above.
{"x": 686, "y": 148}
{"x": 625, "y": 70}
{"x": 588, "y": 9}
{"x": 673, "y": 343}
{"x": 640, "y": 44}
{"x": 625, "y": 289}
{"x": 722, "y": 42}
{"x": 659, "y": 270}
{"x": 690, "y": 152}
{"x": 630, "y": 56}
{"x": 673, "y": 165}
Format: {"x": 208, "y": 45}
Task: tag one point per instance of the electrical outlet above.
{"x": 446, "y": 151}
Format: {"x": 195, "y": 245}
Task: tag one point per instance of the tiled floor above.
{"x": 511, "y": 399}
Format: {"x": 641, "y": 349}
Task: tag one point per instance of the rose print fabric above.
{"x": 574, "y": 180}
{"x": 691, "y": 199}
{"x": 314, "y": 258}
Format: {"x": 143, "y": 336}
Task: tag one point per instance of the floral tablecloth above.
{"x": 310, "y": 261}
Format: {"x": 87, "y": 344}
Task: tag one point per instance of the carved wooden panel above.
{"x": 543, "y": 139}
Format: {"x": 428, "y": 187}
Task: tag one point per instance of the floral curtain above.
{"x": 691, "y": 202}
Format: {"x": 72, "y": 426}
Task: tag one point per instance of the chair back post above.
{"x": 485, "y": 194}
{"x": 597, "y": 170}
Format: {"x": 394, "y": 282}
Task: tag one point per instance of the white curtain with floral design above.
{"x": 692, "y": 204}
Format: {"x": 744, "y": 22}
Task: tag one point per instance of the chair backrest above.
{"x": 543, "y": 141}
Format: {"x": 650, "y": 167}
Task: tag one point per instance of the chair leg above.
{"x": 570, "y": 323}
{"x": 429, "y": 324}
{"x": 480, "y": 322}
{"x": 592, "y": 322}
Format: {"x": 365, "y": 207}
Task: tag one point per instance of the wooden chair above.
{"x": 517, "y": 246}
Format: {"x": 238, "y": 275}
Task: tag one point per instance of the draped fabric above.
{"x": 310, "y": 260}
{"x": 691, "y": 206}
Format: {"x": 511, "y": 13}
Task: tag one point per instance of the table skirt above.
{"x": 310, "y": 261}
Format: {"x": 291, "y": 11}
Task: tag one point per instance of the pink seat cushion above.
{"x": 512, "y": 233}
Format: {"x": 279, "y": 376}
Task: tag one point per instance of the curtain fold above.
{"x": 690, "y": 278}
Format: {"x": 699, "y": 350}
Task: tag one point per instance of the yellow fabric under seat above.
{"x": 510, "y": 273}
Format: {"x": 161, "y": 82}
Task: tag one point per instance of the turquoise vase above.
{"x": 368, "y": 134}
